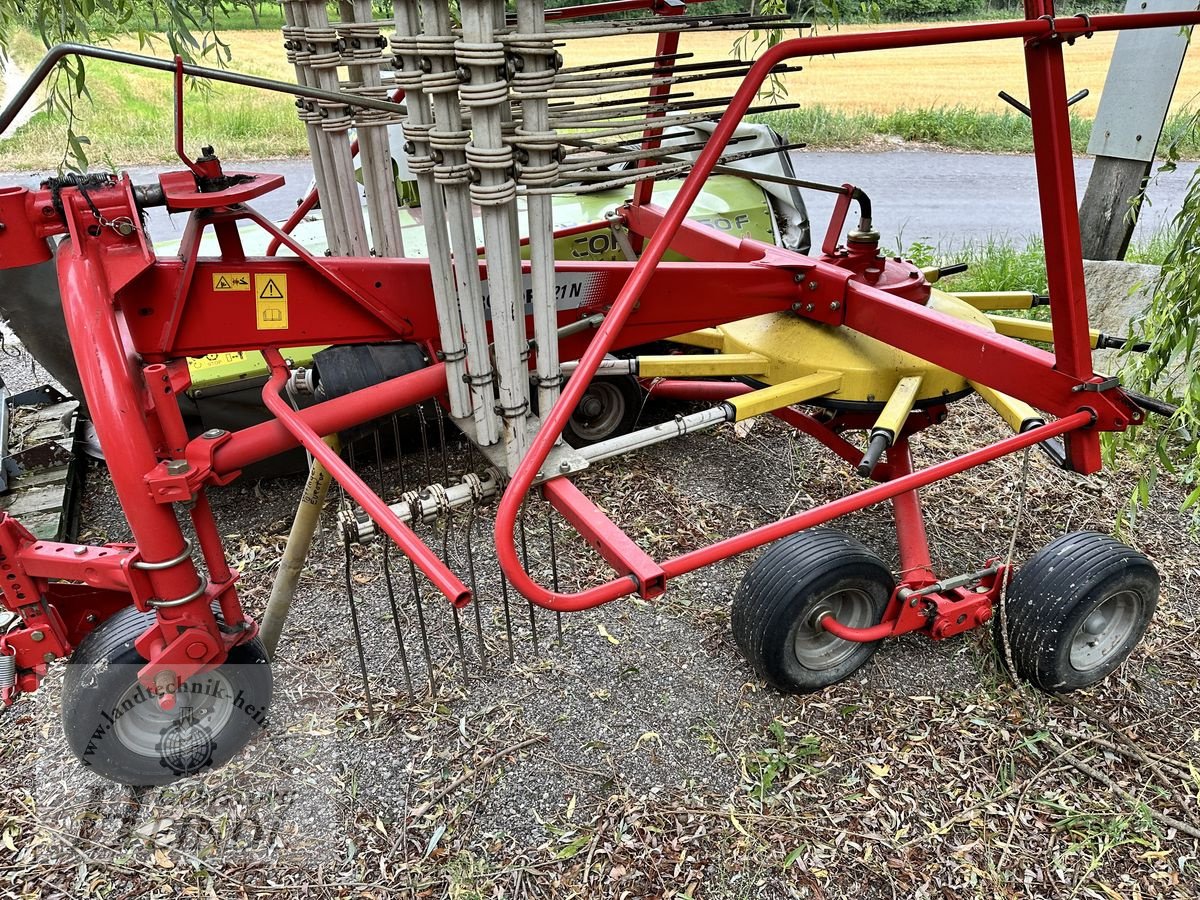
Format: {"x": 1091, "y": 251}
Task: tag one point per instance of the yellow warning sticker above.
{"x": 270, "y": 301}
{"x": 231, "y": 281}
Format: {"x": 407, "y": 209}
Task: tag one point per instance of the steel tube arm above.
{"x": 412, "y": 546}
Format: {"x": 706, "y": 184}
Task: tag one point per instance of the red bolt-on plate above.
{"x": 181, "y": 192}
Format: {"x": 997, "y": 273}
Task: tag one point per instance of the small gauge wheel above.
{"x": 1075, "y": 611}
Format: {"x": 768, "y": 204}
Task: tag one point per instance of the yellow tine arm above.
{"x": 1002, "y": 299}
{"x": 891, "y": 420}
{"x": 1019, "y": 415}
{"x": 777, "y": 396}
{"x": 702, "y": 365}
{"x": 1032, "y": 330}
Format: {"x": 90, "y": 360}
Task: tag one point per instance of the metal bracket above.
{"x": 1106, "y": 384}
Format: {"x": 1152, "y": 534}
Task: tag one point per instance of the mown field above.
{"x": 944, "y": 96}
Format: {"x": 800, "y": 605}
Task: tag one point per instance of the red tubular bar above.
{"x": 606, "y": 538}
{"x": 916, "y": 568}
{"x": 616, "y": 317}
{"x": 412, "y": 546}
{"x": 261, "y": 441}
{"x": 766, "y": 533}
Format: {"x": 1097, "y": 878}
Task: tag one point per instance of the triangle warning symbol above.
{"x": 270, "y": 291}
{"x": 221, "y": 284}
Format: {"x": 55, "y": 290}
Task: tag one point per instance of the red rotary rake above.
{"x": 494, "y": 125}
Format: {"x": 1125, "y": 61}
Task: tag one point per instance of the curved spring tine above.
{"x": 525, "y": 565}
{"x": 424, "y": 441}
{"x": 387, "y": 577}
{"x": 362, "y": 659}
{"x": 412, "y": 569}
{"x": 475, "y": 601}
{"x": 554, "y": 569}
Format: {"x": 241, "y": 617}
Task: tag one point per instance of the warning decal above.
{"x": 231, "y": 281}
{"x": 270, "y": 301}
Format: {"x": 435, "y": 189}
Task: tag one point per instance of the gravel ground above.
{"x": 638, "y": 755}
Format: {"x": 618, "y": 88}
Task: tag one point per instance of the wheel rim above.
{"x": 1103, "y": 635}
{"x": 599, "y": 412}
{"x": 142, "y": 727}
{"x": 817, "y": 649}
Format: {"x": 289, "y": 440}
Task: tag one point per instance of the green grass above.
{"x": 997, "y": 264}
{"x": 957, "y": 128}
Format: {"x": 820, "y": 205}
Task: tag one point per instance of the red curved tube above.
{"x": 858, "y": 635}
{"x": 414, "y": 548}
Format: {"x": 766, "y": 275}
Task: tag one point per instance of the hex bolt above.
{"x": 564, "y": 466}
{"x": 813, "y": 286}
{"x": 178, "y": 467}
{"x": 38, "y": 635}
{"x": 913, "y": 603}
{"x": 49, "y": 657}
{"x": 808, "y": 307}
{"x": 835, "y": 306}
{"x": 91, "y": 618}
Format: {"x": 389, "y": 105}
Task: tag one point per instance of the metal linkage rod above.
{"x": 347, "y": 235}
{"x": 490, "y": 164}
{"x": 361, "y": 54}
{"x": 538, "y": 144}
{"x": 421, "y": 162}
{"x": 448, "y": 143}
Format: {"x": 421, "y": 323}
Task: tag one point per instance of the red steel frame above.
{"x": 134, "y": 318}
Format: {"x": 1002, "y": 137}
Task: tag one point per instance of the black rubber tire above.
{"x": 1057, "y": 591}
{"x": 626, "y": 393}
{"x": 782, "y": 592}
{"x": 95, "y": 697}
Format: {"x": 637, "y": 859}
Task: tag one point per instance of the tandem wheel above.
{"x": 1076, "y": 610}
{"x": 777, "y": 606}
{"x": 116, "y": 728}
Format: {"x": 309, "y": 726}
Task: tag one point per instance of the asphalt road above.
{"x": 943, "y": 199}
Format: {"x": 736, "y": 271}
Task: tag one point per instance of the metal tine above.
{"x": 593, "y": 67}
{"x": 651, "y": 172}
{"x": 478, "y": 461}
{"x": 385, "y": 545}
{"x": 525, "y": 565}
{"x": 677, "y": 23}
{"x": 619, "y": 69}
{"x": 550, "y": 525}
{"x": 441, "y": 432}
{"x": 637, "y": 126}
{"x": 582, "y": 161}
{"x": 640, "y": 108}
{"x": 569, "y": 106}
{"x": 424, "y": 442}
{"x": 616, "y": 85}
{"x": 476, "y": 600}
{"x": 412, "y": 569}
{"x": 362, "y": 658}
{"x": 447, "y": 519}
